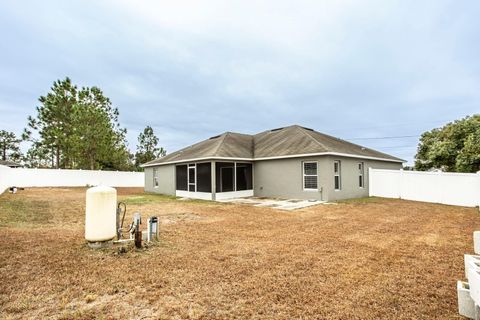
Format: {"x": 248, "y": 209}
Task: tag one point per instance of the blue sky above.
{"x": 193, "y": 69}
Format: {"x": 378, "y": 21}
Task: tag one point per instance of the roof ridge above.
{"x": 302, "y": 129}
{"x": 225, "y": 134}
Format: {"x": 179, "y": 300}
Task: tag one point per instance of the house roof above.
{"x": 9, "y": 163}
{"x": 292, "y": 141}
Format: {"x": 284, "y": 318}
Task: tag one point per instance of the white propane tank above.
{"x": 100, "y": 214}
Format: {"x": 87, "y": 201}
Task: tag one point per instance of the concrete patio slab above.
{"x": 281, "y": 204}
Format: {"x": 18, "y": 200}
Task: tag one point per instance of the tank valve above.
{"x": 121, "y": 211}
{"x": 135, "y": 231}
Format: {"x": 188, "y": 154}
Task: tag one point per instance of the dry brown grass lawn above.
{"x": 375, "y": 259}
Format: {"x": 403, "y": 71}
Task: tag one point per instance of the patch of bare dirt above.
{"x": 181, "y": 217}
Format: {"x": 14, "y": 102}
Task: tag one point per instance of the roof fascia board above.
{"x": 195, "y": 160}
{"x": 339, "y": 154}
{"x": 348, "y": 155}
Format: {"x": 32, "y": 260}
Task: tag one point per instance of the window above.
{"x": 155, "y": 177}
{"x": 337, "y": 171}
{"x": 360, "y": 175}
{"x": 310, "y": 176}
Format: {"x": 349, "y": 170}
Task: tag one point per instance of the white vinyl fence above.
{"x": 21, "y": 177}
{"x": 461, "y": 189}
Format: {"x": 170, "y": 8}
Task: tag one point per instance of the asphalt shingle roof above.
{"x": 288, "y": 141}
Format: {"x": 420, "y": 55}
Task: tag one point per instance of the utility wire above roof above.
{"x": 378, "y": 138}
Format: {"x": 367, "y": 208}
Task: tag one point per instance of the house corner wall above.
{"x": 166, "y": 180}
{"x": 283, "y": 178}
{"x": 350, "y": 176}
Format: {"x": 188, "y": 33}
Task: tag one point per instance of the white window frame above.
{"x": 361, "y": 173}
{"x": 309, "y": 175}
{"x": 337, "y": 174}
{"x": 155, "y": 177}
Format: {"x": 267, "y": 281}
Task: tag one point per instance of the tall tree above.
{"x": 54, "y": 122}
{"x": 454, "y": 147}
{"x": 98, "y": 141}
{"x": 80, "y": 127}
{"x": 9, "y": 146}
{"x": 468, "y": 159}
{"x": 147, "y": 148}
{"x": 39, "y": 156}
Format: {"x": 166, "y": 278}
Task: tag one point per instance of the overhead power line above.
{"x": 379, "y": 138}
{"x": 396, "y": 125}
{"x": 397, "y": 147}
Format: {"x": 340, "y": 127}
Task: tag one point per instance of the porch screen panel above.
{"x": 181, "y": 173}
{"x": 224, "y": 176}
{"x": 204, "y": 177}
{"x": 244, "y": 176}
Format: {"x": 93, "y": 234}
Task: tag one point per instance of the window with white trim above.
{"x": 310, "y": 175}
{"x": 337, "y": 173}
{"x": 361, "y": 181}
{"x": 155, "y": 177}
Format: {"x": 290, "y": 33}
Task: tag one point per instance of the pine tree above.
{"x": 147, "y": 148}
{"x": 9, "y": 146}
{"x": 80, "y": 128}
{"x": 99, "y": 142}
{"x": 39, "y": 156}
{"x": 54, "y": 122}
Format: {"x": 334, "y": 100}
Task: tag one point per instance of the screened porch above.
{"x": 214, "y": 180}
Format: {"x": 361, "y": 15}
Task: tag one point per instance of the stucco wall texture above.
{"x": 283, "y": 178}
{"x": 166, "y": 179}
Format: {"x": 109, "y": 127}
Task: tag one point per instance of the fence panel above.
{"x": 462, "y": 189}
{"x": 22, "y": 177}
{"x": 384, "y": 183}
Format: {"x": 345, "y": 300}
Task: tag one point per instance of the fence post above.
{"x": 400, "y": 182}
{"x": 371, "y": 187}
{"x": 369, "y": 181}
{"x": 5, "y": 178}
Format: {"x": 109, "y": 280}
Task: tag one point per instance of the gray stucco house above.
{"x": 291, "y": 162}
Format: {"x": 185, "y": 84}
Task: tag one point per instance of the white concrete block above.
{"x": 471, "y": 261}
{"x": 466, "y": 306}
{"x": 474, "y": 283}
{"x": 476, "y": 242}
